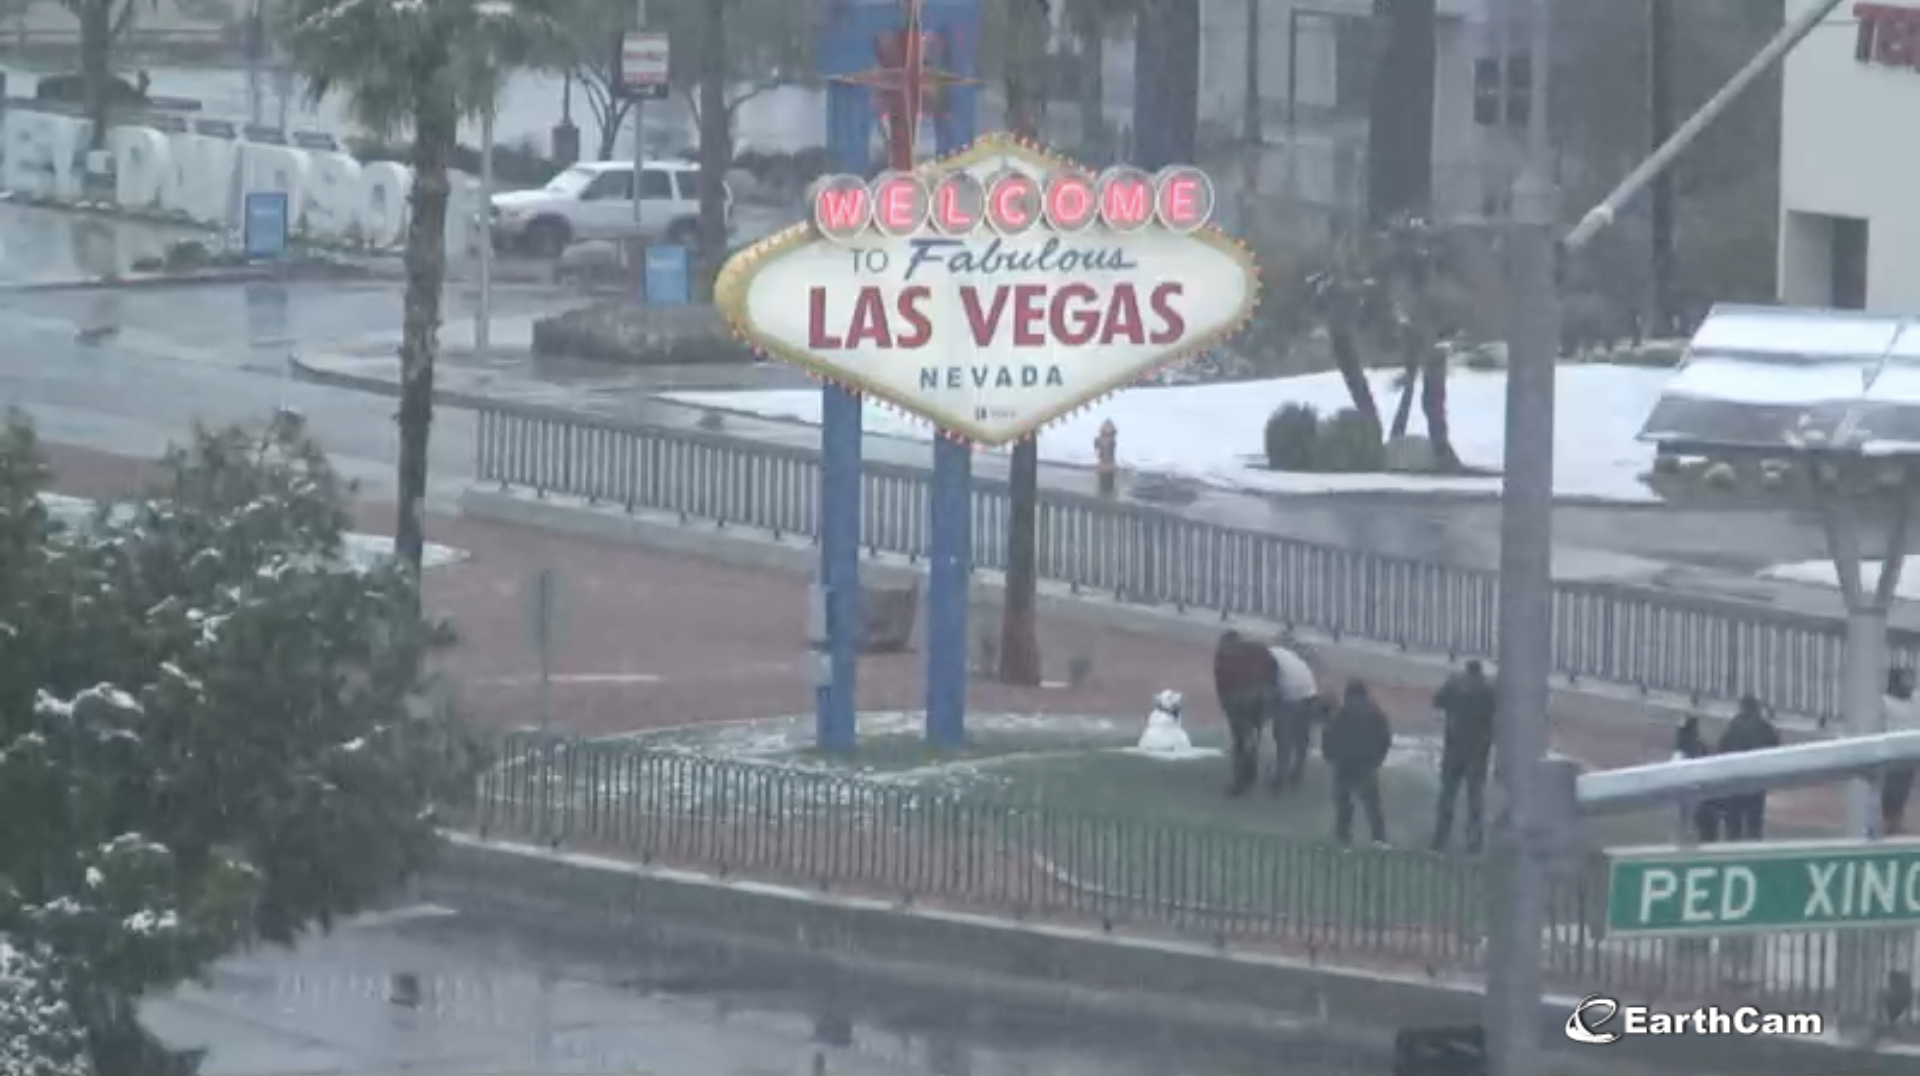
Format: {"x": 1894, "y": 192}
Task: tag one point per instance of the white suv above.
{"x": 594, "y": 200}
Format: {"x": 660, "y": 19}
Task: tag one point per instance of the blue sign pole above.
{"x": 950, "y": 511}
{"x": 847, "y": 48}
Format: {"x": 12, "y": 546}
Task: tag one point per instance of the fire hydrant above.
{"x": 1106, "y": 448}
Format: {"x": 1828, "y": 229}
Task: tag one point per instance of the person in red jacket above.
{"x": 1244, "y": 678}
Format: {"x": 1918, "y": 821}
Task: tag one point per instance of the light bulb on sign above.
{"x": 1126, "y": 199}
{"x": 1013, "y": 203}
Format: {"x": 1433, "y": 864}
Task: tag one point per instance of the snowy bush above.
{"x": 209, "y": 735}
{"x": 1290, "y": 436}
{"x": 621, "y": 332}
{"x": 40, "y": 1035}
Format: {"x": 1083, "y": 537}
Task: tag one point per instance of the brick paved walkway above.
{"x": 650, "y": 639}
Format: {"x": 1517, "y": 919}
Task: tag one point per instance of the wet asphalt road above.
{"x": 218, "y": 354}
{"x": 495, "y": 1000}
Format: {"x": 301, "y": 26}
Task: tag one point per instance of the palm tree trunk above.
{"x": 716, "y": 144}
{"x": 1019, "y": 632}
{"x": 96, "y": 45}
{"x": 1019, "y": 629}
{"x": 435, "y": 130}
{"x": 1403, "y": 411}
{"x": 1433, "y": 405}
{"x": 1094, "y": 135}
{"x": 1346, "y": 356}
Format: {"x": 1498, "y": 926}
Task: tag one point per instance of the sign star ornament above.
{"x": 995, "y": 291}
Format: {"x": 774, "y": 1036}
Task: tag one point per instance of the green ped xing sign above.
{"x": 995, "y": 291}
{"x": 1778, "y": 886}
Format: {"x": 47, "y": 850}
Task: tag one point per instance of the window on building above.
{"x": 1352, "y": 62}
{"x": 1847, "y": 280}
{"x": 1333, "y": 63}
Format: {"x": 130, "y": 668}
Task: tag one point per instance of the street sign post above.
{"x": 1779, "y": 886}
{"x": 644, "y": 63}
{"x": 542, "y": 595}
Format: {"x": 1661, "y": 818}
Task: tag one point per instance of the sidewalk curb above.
{"x": 1193, "y": 985}
{"x": 380, "y": 386}
{"x": 749, "y": 548}
{"x": 319, "y": 373}
{"x": 148, "y": 281}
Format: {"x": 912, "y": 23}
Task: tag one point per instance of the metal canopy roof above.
{"x": 1756, "y": 378}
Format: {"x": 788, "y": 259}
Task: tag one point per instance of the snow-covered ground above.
{"x": 362, "y": 551}
{"x": 1212, "y": 433}
{"x": 1821, "y": 573}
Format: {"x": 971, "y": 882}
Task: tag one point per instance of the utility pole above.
{"x": 1522, "y": 847}
{"x": 1660, "y": 312}
{"x": 1526, "y": 535}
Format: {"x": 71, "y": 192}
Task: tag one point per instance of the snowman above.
{"x": 1165, "y": 733}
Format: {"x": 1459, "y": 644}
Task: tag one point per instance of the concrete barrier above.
{"x": 1204, "y": 987}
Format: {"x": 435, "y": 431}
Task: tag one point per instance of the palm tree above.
{"x": 1093, "y": 23}
{"x": 1394, "y": 289}
{"x": 1023, "y": 79}
{"x": 1346, "y": 296}
{"x": 417, "y": 66}
{"x": 102, "y": 22}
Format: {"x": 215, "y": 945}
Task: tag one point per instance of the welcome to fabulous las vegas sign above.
{"x": 997, "y": 290}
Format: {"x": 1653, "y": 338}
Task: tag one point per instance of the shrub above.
{"x": 187, "y": 255}
{"x": 1348, "y": 443}
{"x": 513, "y": 165}
{"x": 621, "y": 332}
{"x": 71, "y": 89}
{"x": 1291, "y": 433}
{"x": 1659, "y": 354}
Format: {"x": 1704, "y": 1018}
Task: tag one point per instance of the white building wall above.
{"x": 1324, "y": 169}
{"x": 1847, "y": 149}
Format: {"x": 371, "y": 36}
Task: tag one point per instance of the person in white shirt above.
{"x": 1297, "y": 705}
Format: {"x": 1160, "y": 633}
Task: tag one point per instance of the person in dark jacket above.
{"x": 1704, "y": 818}
{"x": 1744, "y": 816}
{"x": 1467, "y": 702}
{"x": 1355, "y": 745}
{"x": 1244, "y": 676}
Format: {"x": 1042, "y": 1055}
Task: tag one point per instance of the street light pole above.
{"x": 1526, "y": 529}
{"x": 1525, "y": 655}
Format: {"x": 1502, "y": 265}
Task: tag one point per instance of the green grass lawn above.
{"x": 1145, "y": 832}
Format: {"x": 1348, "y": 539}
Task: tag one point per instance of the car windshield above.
{"x": 571, "y": 182}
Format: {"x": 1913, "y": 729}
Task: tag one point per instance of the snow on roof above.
{"x": 1760, "y": 377}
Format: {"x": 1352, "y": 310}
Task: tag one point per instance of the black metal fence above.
{"x": 1643, "y": 639}
{"x": 1402, "y": 911}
